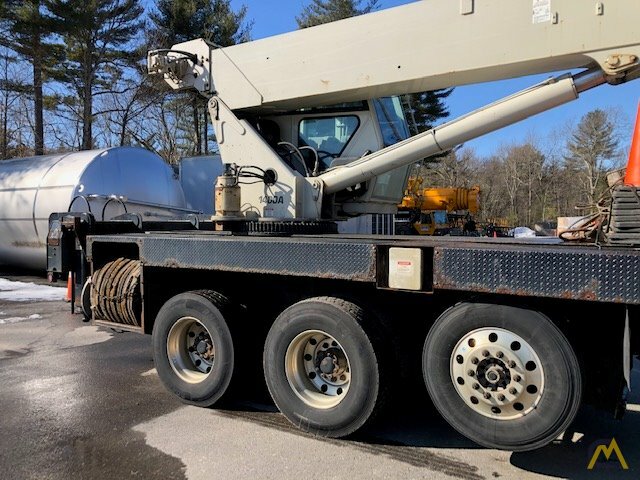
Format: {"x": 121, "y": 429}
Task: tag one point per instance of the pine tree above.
{"x": 98, "y": 36}
{"x": 319, "y": 11}
{"x": 424, "y": 109}
{"x": 592, "y": 145}
{"x": 178, "y": 21}
{"x": 27, "y": 31}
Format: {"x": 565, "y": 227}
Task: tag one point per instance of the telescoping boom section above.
{"x": 425, "y": 45}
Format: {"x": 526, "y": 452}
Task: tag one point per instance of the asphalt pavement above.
{"x": 77, "y": 401}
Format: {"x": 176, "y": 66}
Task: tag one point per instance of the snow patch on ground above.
{"x": 28, "y": 292}
{"x": 84, "y": 336}
{"x": 35, "y": 316}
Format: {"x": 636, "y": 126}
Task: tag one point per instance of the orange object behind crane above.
{"x": 449, "y": 199}
{"x": 422, "y": 205}
{"x": 633, "y": 167}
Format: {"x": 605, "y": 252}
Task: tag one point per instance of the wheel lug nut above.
{"x": 485, "y": 353}
{"x": 501, "y": 397}
{"x": 499, "y": 354}
{"x": 517, "y": 378}
{"x": 512, "y": 364}
{"x": 487, "y": 395}
{"x": 513, "y": 391}
{"x": 471, "y": 373}
{"x": 475, "y": 386}
{"x": 474, "y": 360}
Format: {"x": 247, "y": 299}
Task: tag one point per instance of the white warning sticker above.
{"x": 541, "y": 11}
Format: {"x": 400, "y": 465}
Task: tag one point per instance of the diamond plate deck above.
{"x": 540, "y": 269}
{"x": 579, "y": 274}
{"x": 267, "y": 255}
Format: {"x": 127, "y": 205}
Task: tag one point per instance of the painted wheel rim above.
{"x": 190, "y": 350}
{"x": 318, "y": 369}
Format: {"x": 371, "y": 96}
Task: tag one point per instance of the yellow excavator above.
{"x": 437, "y": 210}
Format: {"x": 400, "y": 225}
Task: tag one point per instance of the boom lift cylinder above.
{"x": 539, "y": 98}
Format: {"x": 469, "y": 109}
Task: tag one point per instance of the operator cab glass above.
{"x": 394, "y": 128}
{"x": 329, "y": 136}
{"x": 392, "y": 121}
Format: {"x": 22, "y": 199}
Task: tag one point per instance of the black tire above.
{"x": 172, "y": 328}
{"x": 343, "y": 413}
{"x": 557, "y": 400}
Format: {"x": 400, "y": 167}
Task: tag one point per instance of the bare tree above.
{"x": 591, "y": 150}
{"x": 175, "y": 21}
{"x": 456, "y": 169}
{"x": 11, "y": 89}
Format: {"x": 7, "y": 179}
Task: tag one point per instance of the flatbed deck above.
{"x": 523, "y": 267}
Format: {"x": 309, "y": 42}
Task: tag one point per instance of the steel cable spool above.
{"x": 108, "y": 293}
{"x": 115, "y": 292}
{"x": 130, "y": 283}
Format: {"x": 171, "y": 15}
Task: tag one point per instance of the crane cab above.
{"x": 315, "y": 140}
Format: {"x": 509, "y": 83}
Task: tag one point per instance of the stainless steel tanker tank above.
{"x": 198, "y": 177}
{"x": 106, "y": 182}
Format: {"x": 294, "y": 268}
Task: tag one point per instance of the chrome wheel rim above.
{"x": 190, "y": 350}
{"x": 318, "y": 369}
{"x": 497, "y": 373}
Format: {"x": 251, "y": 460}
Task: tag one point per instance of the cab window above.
{"x": 328, "y": 135}
{"x": 393, "y": 123}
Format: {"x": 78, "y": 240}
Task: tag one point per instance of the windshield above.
{"x": 328, "y": 135}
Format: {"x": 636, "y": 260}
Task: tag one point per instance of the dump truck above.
{"x": 512, "y": 336}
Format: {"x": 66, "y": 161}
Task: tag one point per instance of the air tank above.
{"x": 106, "y": 182}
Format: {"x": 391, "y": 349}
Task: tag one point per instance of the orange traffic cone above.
{"x": 495, "y": 234}
{"x": 67, "y": 298}
{"x": 632, "y": 176}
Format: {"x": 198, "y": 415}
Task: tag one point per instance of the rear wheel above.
{"x": 321, "y": 367}
{"x": 192, "y": 347}
{"x": 504, "y": 377}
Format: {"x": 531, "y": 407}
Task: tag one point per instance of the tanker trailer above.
{"x": 106, "y": 182}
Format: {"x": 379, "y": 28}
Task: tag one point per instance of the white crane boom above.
{"x": 425, "y": 45}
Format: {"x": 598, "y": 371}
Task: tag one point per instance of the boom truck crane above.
{"x": 511, "y": 336}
